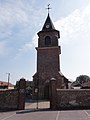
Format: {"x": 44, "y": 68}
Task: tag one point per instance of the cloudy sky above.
{"x": 20, "y": 20}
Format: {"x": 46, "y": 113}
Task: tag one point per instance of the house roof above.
{"x": 2, "y": 83}
{"x": 85, "y": 84}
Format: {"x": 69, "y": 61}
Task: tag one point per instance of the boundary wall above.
{"x": 69, "y": 98}
{"x": 13, "y": 99}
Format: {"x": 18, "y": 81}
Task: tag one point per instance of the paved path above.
{"x": 33, "y": 104}
{"x": 31, "y": 113}
{"x": 46, "y": 115}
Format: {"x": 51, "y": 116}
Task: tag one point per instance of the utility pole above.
{"x": 8, "y": 74}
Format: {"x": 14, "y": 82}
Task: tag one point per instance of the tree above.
{"x": 82, "y": 79}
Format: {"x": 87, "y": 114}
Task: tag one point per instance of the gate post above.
{"x": 53, "y": 93}
{"x": 21, "y": 97}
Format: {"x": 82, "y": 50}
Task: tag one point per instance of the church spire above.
{"x": 48, "y": 25}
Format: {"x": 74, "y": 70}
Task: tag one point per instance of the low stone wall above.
{"x": 8, "y": 99}
{"x": 13, "y": 99}
{"x": 72, "y": 99}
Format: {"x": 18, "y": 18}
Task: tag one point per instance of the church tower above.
{"x": 48, "y": 60}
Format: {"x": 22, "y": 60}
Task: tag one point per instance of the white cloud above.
{"x": 11, "y": 15}
{"x": 26, "y": 47}
{"x": 16, "y": 21}
{"x": 17, "y": 13}
{"x": 14, "y": 12}
{"x": 87, "y": 11}
{"x": 75, "y": 42}
{"x": 23, "y": 50}
{"x": 74, "y": 25}
{"x": 3, "y": 49}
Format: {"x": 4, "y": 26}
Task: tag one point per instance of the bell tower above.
{"x": 48, "y": 59}
{"x": 48, "y": 50}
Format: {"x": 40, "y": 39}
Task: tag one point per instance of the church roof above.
{"x": 48, "y": 25}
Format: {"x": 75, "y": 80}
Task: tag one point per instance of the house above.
{"x": 85, "y": 85}
{"x": 5, "y": 85}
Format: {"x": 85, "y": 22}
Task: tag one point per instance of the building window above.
{"x": 47, "y": 41}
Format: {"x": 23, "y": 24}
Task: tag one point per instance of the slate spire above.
{"x": 48, "y": 25}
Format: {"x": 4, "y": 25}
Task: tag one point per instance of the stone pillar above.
{"x": 53, "y": 93}
{"x": 21, "y": 97}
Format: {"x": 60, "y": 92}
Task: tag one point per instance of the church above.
{"x": 48, "y": 61}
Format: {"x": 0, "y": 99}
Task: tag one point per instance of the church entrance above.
{"x": 46, "y": 92}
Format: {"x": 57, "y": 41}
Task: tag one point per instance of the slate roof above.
{"x": 48, "y": 22}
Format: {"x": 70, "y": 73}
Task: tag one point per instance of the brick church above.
{"x": 48, "y": 61}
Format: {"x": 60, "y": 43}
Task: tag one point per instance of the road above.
{"x": 46, "y": 115}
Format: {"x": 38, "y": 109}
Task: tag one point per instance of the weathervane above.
{"x": 48, "y": 8}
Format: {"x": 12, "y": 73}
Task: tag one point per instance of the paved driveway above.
{"x": 46, "y": 115}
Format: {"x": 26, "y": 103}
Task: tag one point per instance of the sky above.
{"x": 20, "y": 20}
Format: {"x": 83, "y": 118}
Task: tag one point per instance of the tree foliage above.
{"x": 82, "y": 79}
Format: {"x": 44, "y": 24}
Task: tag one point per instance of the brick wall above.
{"x": 70, "y": 99}
{"x": 8, "y": 99}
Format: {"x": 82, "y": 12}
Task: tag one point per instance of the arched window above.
{"x": 47, "y": 41}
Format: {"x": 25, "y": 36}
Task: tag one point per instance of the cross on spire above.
{"x": 48, "y": 8}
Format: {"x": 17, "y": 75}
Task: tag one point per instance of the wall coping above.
{"x": 2, "y": 90}
{"x": 72, "y": 90}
